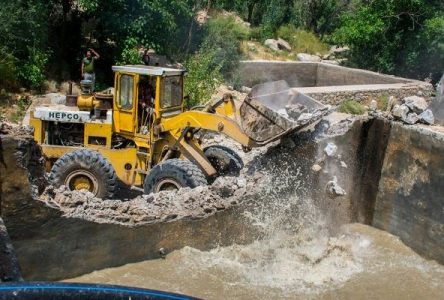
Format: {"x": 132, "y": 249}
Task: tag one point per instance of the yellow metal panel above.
{"x": 213, "y": 122}
{"x": 124, "y": 119}
{"x": 37, "y": 124}
{"x": 99, "y": 130}
{"x": 117, "y": 157}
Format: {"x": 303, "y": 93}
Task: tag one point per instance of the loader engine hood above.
{"x": 272, "y": 110}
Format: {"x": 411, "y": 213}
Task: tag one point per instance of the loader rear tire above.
{"x": 225, "y": 160}
{"x": 85, "y": 169}
{"x": 173, "y": 174}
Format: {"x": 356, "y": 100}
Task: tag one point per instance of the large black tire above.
{"x": 225, "y": 160}
{"x": 172, "y": 175}
{"x": 85, "y": 169}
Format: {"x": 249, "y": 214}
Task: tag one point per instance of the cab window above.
{"x": 126, "y": 91}
{"x": 171, "y": 92}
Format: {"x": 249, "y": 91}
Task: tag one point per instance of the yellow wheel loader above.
{"x": 140, "y": 133}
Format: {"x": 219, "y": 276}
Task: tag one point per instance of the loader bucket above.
{"x": 273, "y": 110}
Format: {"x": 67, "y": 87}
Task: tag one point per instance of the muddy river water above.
{"x": 359, "y": 262}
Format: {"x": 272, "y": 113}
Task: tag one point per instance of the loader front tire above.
{"x": 85, "y": 170}
{"x": 225, "y": 160}
{"x": 173, "y": 174}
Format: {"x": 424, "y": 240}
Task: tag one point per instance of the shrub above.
{"x": 203, "y": 77}
{"x": 32, "y": 72}
{"x": 302, "y": 40}
{"x": 352, "y": 107}
{"x": 8, "y": 75}
{"x": 223, "y": 38}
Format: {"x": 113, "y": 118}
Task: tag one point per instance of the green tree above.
{"x": 394, "y": 36}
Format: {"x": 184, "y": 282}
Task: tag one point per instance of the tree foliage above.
{"x": 46, "y": 39}
{"x": 394, "y": 36}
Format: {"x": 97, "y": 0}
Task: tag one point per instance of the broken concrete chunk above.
{"x": 330, "y": 150}
{"x": 427, "y": 117}
{"x": 295, "y": 111}
{"x": 316, "y": 168}
{"x": 334, "y": 190}
{"x": 412, "y": 118}
{"x": 305, "y": 117}
{"x": 416, "y": 104}
{"x": 400, "y": 112}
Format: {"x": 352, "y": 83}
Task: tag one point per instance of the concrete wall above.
{"x": 328, "y": 75}
{"x": 393, "y": 179}
{"x": 410, "y": 202}
{"x": 309, "y": 74}
{"x": 50, "y": 246}
{"x": 296, "y": 74}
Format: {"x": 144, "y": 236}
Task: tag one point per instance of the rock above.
{"x": 373, "y": 105}
{"x": 427, "y": 117}
{"x": 277, "y": 45}
{"x": 331, "y": 62}
{"x": 308, "y": 57}
{"x": 334, "y": 190}
{"x": 56, "y": 98}
{"x": 305, "y": 117}
{"x": 416, "y": 104}
{"x": 338, "y": 50}
{"x": 283, "y": 45}
{"x": 344, "y": 165}
{"x": 295, "y": 111}
{"x": 316, "y": 168}
{"x": 64, "y": 88}
{"x": 330, "y": 150}
{"x": 391, "y": 104}
{"x": 272, "y": 44}
{"x": 400, "y": 112}
{"x": 412, "y": 118}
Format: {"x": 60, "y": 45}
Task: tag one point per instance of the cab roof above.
{"x": 148, "y": 70}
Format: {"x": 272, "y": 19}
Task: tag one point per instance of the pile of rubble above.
{"x": 413, "y": 110}
{"x": 186, "y": 203}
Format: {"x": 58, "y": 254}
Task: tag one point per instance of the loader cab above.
{"x": 144, "y": 95}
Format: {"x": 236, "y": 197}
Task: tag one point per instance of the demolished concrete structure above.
{"x": 392, "y": 181}
{"x": 332, "y": 84}
{"x": 382, "y": 173}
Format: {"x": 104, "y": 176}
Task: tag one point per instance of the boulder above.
{"x": 416, "y": 104}
{"x": 308, "y": 57}
{"x": 272, "y": 44}
{"x": 338, "y": 51}
{"x": 427, "y": 117}
{"x": 412, "y": 118}
{"x": 330, "y": 149}
{"x": 400, "y": 112}
{"x": 283, "y": 44}
{"x": 331, "y": 62}
{"x": 334, "y": 190}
